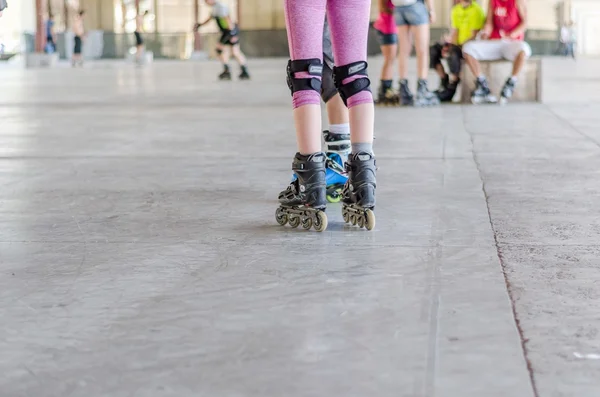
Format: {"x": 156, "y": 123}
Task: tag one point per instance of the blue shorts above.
{"x": 412, "y": 15}
{"x": 387, "y": 39}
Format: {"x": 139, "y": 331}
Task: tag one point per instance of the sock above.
{"x": 339, "y": 129}
{"x": 481, "y": 78}
{"x": 514, "y": 79}
{"x": 362, "y": 147}
{"x": 386, "y": 84}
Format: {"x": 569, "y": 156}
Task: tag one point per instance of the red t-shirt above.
{"x": 386, "y": 23}
{"x": 506, "y": 18}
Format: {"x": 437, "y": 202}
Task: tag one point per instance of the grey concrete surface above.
{"x": 139, "y": 255}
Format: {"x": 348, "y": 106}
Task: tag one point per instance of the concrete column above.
{"x": 40, "y": 37}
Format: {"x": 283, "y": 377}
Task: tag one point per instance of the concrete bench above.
{"x": 529, "y": 87}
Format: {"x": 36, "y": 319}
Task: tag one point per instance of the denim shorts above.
{"x": 387, "y": 39}
{"x": 412, "y": 15}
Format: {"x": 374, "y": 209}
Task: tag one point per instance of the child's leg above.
{"x": 349, "y": 21}
{"x": 304, "y": 20}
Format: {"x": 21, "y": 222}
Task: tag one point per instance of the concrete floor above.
{"x": 139, "y": 254}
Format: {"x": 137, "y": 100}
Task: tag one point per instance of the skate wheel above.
{"x": 307, "y": 223}
{"x": 346, "y": 216}
{"x": 320, "y": 222}
{"x": 361, "y": 221}
{"x": 370, "y": 215}
{"x": 294, "y": 221}
{"x": 334, "y": 199}
{"x": 281, "y": 217}
{"x": 353, "y": 219}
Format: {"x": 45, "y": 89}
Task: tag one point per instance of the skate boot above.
{"x": 443, "y": 84}
{"x": 337, "y": 148}
{"x": 359, "y": 191}
{"x": 226, "y": 74}
{"x": 446, "y": 94}
{"x": 244, "y": 75}
{"x": 482, "y": 93}
{"x": 304, "y": 199}
{"x": 424, "y": 96}
{"x": 507, "y": 91}
{"x": 386, "y": 95}
{"x": 406, "y": 97}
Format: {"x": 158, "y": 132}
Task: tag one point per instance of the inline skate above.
{"x": 244, "y": 75}
{"x": 406, "y": 96}
{"x": 507, "y": 91}
{"x": 304, "y": 200}
{"x": 424, "y": 96}
{"x": 386, "y": 95}
{"x": 337, "y": 148}
{"x": 482, "y": 93}
{"x": 359, "y": 192}
{"x": 226, "y": 74}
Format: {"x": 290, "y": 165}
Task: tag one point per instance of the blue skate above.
{"x": 335, "y": 177}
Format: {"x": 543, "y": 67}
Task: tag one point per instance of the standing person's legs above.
{"x": 304, "y": 20}
{"x": 404, "y": 49}
{"x": 305, "y": 198}
{"x": 349, "y": 21}
{"x": 421, "y": 34}
{"x": 389, "y": 52}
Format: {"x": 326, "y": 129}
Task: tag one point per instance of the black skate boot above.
{"x": 244, "y": 75}
{"x": 406, "y": 97}
{"x": 446, "y": 94}
{"x": 443, "y": 84}
{"x": 424, "y": 96}
{"x": 304, "y": 200}
{"x": 507, "y": 91}
{"x": 359, "y": 191}
{"x": 386, "y": 95}
{"x": 482, "y": 93}
{"x": 226, "y": 74}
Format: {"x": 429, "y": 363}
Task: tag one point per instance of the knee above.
{"x": 526, "y": 49}
{"x": 304, "y": 81}
{"x": 352, "y": 83}
{"x": 468, "y": 50}
{"x": 328, "y": 89}
{"x": 435, "y": 55}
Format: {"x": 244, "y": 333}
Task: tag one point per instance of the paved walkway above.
{"x": 139, "y": 255}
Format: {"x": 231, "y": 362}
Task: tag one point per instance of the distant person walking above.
{"x": 139, "y": 40}
{"x": 567, "y": 39}
{"x": 50, "y": 37}
{"x": 79, "y": 31}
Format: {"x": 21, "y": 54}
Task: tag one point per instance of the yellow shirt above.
{"x": 466, "y": 20}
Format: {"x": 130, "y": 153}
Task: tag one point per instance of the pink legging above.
{"x": 349, "y": 23}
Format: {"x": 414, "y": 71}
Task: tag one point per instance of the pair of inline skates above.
{"x": 334, "y": 176}
{"x": 387, "y": 96}
{"x": 226, "y": 74}
{"x": 483, "y": 94}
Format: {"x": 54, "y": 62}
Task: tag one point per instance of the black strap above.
{"x": 313, "y": 67}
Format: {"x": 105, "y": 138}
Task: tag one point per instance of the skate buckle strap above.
{"x": 313, "y": 67}
{"x": 314, "y": 161}
{"x": 341, "y": 73}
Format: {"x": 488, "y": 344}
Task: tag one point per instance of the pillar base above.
{"x": 40, "y": 60}
{"x": 199, "y": 56}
